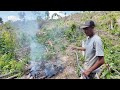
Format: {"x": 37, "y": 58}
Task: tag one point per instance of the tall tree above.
{"x": 1, "y": 20}
{"x": 37, "y": 14}
{"x": 39, "y": 18}
{"x": 47, "y": 14}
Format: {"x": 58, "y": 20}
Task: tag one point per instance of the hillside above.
{"x": 53, "y": 40}
{"x": 107, "y": 28}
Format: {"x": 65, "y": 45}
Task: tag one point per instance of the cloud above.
{"x": 13, "y": 18}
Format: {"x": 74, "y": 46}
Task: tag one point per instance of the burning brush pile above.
{"x": 44, "y": 69}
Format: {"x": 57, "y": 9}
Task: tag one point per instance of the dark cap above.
{"x": 89, "y": 23}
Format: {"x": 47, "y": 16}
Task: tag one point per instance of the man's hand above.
{"x": 86, "y": 73}
{"x": 72, "y": 47}
{"x": 98, "y": 63}
{"x": 77, "y": 48}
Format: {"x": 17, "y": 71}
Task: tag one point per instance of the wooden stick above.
{"x": 46, "y": 49}
{"x": 80, "y": 66}
{"x": 113, "y": 69}
{"x": 12, "y": 77}
{"x": 50, "y": 43}
{"x": 97, "y": 76}
{"x": 7, "y": 74}
{"x": 43, "y": 77}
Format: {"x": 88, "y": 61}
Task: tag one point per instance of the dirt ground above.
{"x": 70, "y": 66}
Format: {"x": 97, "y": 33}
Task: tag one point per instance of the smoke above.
{"x": 27, "y": 34}
{"x": 22, "y": 15}
{"x": 40, "y": 67}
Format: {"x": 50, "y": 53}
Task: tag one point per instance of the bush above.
{"x": 8, "y": 63}
{"x": 71, "y": 34}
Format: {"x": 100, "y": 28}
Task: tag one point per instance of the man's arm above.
{"x": 98, "y": 63}
{"x": 78, "y": 48}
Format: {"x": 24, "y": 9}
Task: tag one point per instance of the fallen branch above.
{"x": 43, "y": 77}
{"x": 12, "y": 77}
{"x": 112, "y": 68}
{"x": 7, "y": 74}
{"x": 115, "y": 77}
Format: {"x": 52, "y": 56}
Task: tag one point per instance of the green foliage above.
{"x": 8, "y": 63}
{"x": 112, "y": 57}
{"x": 71, "y": 34}
{"x": 56, "y": 37}
{"x": 10, "y": 66}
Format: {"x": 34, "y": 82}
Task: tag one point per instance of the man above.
{"x": 94, "y": 53}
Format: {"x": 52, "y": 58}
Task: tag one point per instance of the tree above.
{"x": 65, "y": 13}
{"x": 39, "y": 18}
{"x": 47, "y": 14}
{"x": 38, "y": 15}
{"x": 1, "y": 20}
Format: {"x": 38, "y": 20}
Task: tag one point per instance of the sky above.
{"x": 13, "y": 15}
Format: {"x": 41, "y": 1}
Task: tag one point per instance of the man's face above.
{"x": 88, "y": 31}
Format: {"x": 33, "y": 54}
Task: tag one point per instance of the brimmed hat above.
{"x": 89, "y": 23}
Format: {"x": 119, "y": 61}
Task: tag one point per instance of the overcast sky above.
{"x": 13, "y": 15}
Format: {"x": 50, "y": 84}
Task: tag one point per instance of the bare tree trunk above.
{"x": 111, "y": 25}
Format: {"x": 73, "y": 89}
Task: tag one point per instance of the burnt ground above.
{"x": 69, "y": 71}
